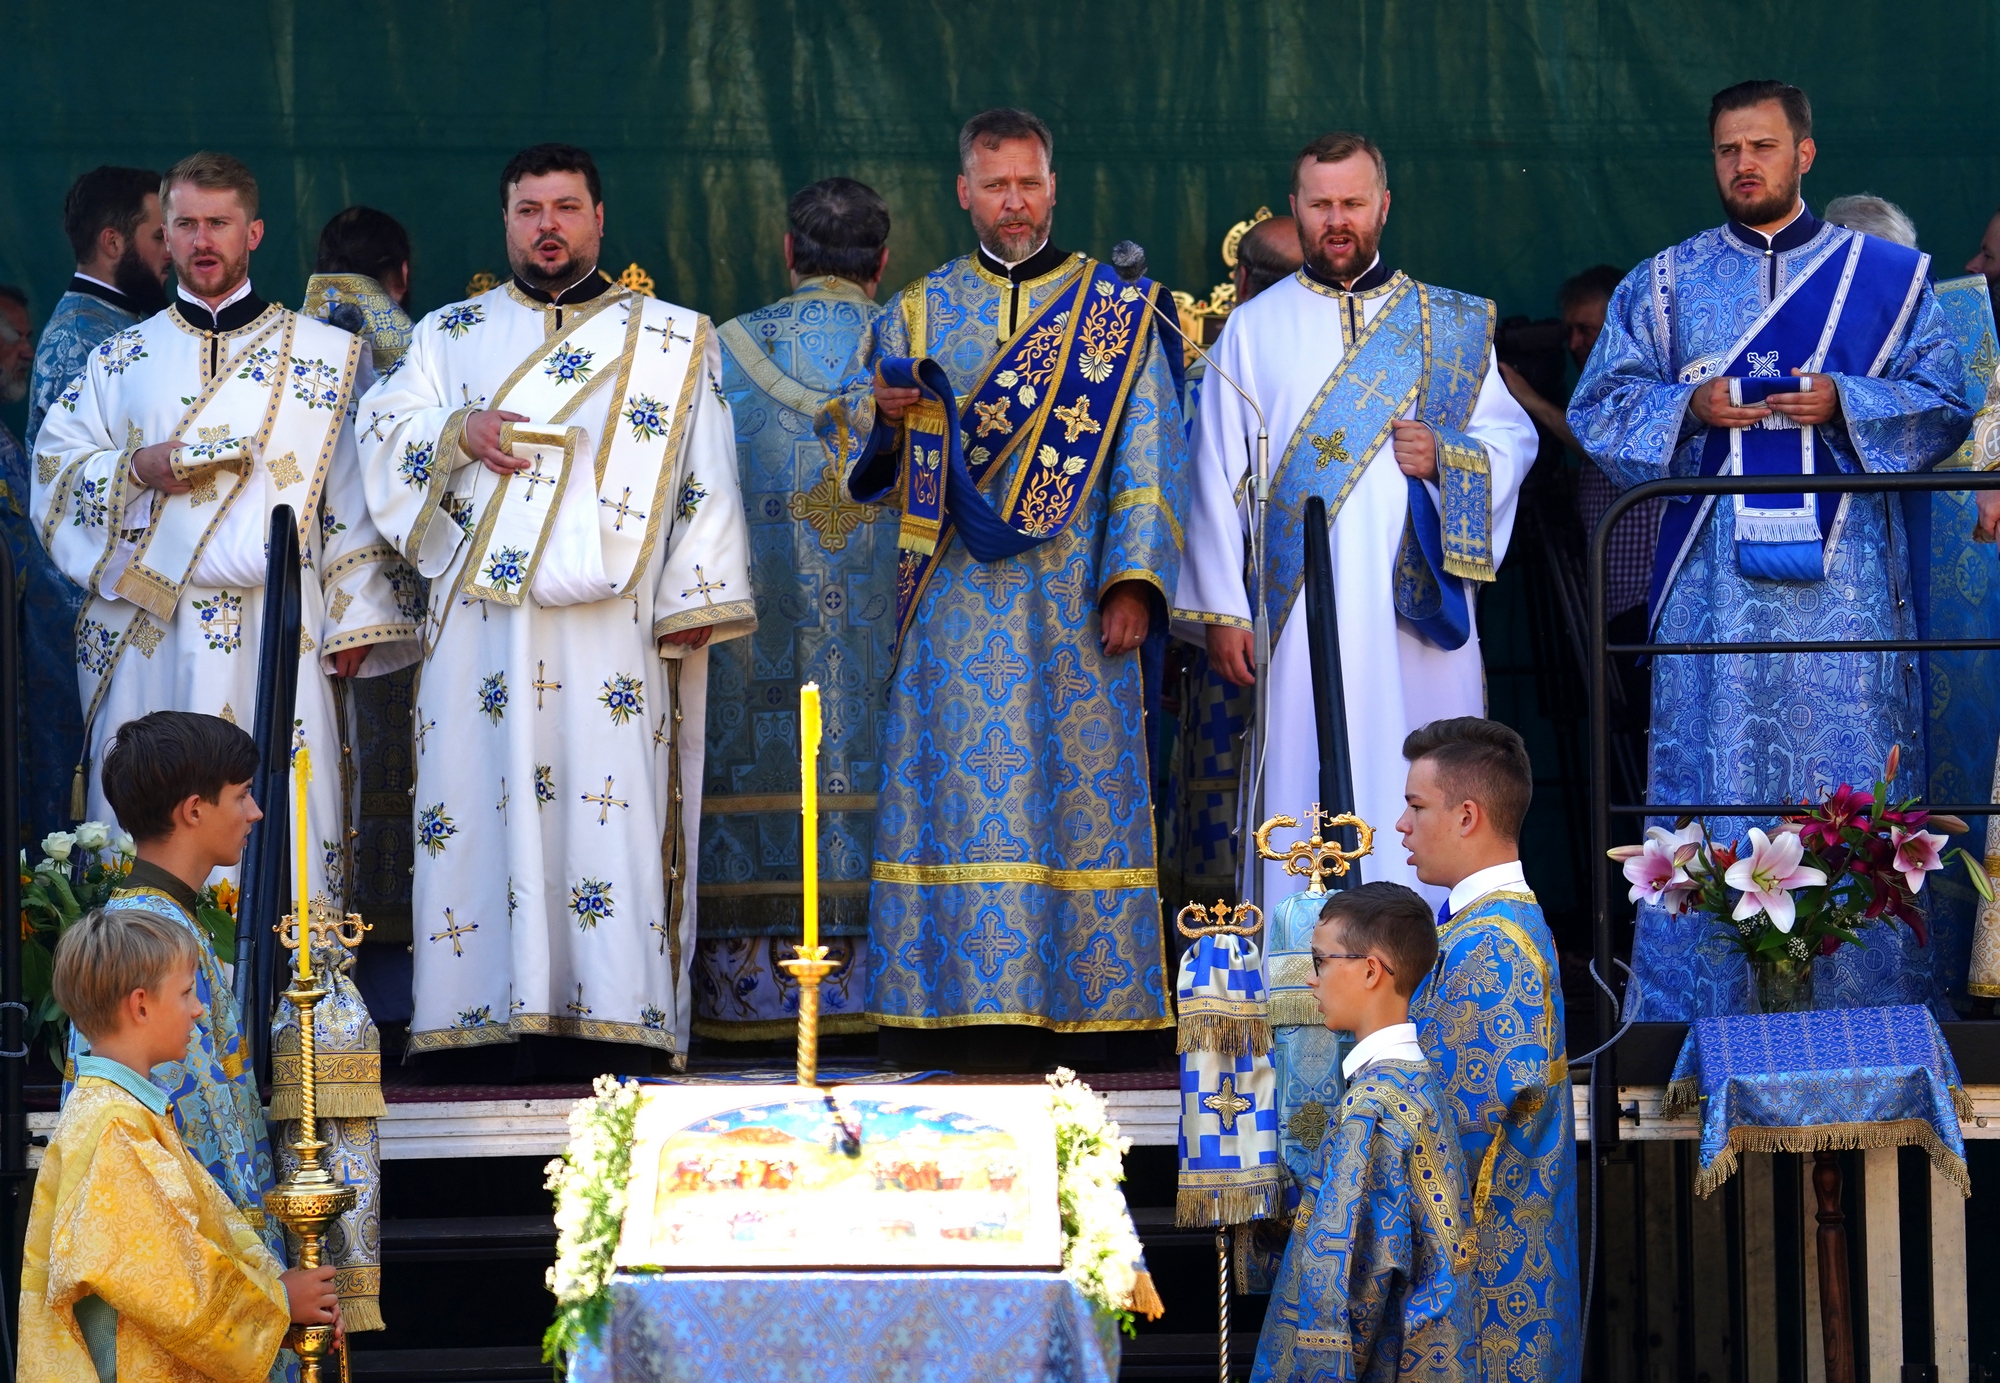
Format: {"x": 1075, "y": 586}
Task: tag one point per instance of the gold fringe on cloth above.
{"x": 350, "y": 1083}
{"x": 1295, "y": 1008}
{"x": 1962, "y": 1102}
{"x": 1200, "y": 1207}
{"x": 1683, "y": 1098}
{"x": 1232, "y": 1034}
{"x": 1889, "y": 1133}
{"x": 360, "y": 1291}
{"x": 1146, "y": 1298}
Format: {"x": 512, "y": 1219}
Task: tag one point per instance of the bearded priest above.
{"x": 156, "y": 472}
{"x": 1775, "y": 344}
{"x": 1388, "y": 403}
{"x": 556, "y": 456}
{"x": 1015, "y": 880}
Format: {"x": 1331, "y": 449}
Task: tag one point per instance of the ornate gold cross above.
{"x": 1076, "y": 419}
{"x": 1331, "y": 448}
{"x": 1227, "y": 1104}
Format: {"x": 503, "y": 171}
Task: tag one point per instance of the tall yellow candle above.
{"x": 809, "y": 734}
{"x": 301, "y": 776}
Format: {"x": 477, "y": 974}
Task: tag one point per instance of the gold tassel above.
{"x": 1146, "y": 1298}
{"x": 1894, "y": 1133}
{"x": 1198, "y": 1207}
{"x": 361, "y": 1313}
{"x": 1295, "y": 1008}
{"x": 1962, "y": 1102}
{"x": 1482, "y": 1196}
{"x": 1683, "y": 1098}
{"x": 344, "y": 1101}
{"x": 1218, "y": 1032}
{"x": 79, "y": 797}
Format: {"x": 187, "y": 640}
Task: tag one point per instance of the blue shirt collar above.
{"x": 126, "y": 1079}
{"x": 1803, "y": 227}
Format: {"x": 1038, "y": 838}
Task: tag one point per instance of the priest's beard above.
{"x": 1771, "y": 203}
{"x": 1343, "y": 263}
{"x": 1013, "y": 240}
{"x": 569, "y": 271}
{"x": 14, "y": 384}
{"x": 131, "y": 277}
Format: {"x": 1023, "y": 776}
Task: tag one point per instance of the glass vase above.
{"x": 1784, "y": 985}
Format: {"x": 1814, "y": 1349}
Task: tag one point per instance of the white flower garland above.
{"x": 1101, "y": 1254}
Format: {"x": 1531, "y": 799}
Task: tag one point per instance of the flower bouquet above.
{"x": 79, "y": 870}
{"x": 1806, "y": 887}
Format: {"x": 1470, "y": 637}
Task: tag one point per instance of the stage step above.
{"x": 496, "y": 1364}
{"x": 469, "y": 1237}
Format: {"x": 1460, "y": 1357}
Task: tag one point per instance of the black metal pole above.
{"x": 1336, "y": 760}
{"x": 13, "y": 1112}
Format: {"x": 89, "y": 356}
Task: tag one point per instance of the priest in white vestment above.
{"x": 156, "y": 472}
{"x": 1383, "y": 397}
{"x": 556, "y": 456}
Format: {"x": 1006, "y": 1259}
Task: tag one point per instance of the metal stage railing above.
{"x": 1604, "y": 1111}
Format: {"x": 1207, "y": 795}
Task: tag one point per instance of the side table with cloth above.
{"x": 1810, "y": 1082}
{"x": 848, "y": 1327}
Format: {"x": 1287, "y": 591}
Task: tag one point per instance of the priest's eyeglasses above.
{"x": 1321, "y": 958}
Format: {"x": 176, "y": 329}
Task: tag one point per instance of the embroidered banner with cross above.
{"x": 1053, "y": 396}
{"x": 1229, "y": 1167}
{"x": 1423, "y": 356}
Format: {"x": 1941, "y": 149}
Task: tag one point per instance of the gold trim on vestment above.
{"x": 767, "y": 1029}
{"x": 540, "y": 1025}
{"x": 670, "y": 460}
{"x": 1069, "y": 880}
{"x": 373, "y": 634}
{"x": 1153, "y": 495}
{"x": 374, "y": 552}
{"x": 1021, "y": 1020}
{"x": 1210, "y": 617}
{"x": 701, "y": 617}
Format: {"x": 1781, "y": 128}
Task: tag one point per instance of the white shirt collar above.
{"x": 1488, "y": 880}
{"x": 1771, "y": 237}
{"x": 242, "y": 292}
{"x": 92, "y": 278}
{"x": 1397, "y": 1042}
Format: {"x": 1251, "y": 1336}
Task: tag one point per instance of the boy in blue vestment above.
{"x": 1489, "y": 1015}
{"x": 1375, "y": 1280}
{"x": 180, "y": 785}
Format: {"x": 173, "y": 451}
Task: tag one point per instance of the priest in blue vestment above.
{"x": 1490, "y": 1018}
{"x": 1015, "y": 408}
{"x": 1775, "y": 344}
{"x": 823, "y": 569}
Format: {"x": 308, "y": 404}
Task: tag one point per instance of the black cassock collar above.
{"x": 1377, "y": 275}
{"x": 591, "y": 285}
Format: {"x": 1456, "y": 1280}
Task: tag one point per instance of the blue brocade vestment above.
{"x": 823, "y": 568}
{"x": 1771, "y": 727}
{"x": 1015, "y": 879}
{"x": 1374, "y": 1284}
{"x": 1490, "y": 1018}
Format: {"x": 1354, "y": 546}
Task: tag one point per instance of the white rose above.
{"x": 93, "y": 835}
{"x": 56, "y": 845}
{"x": 124, "y": 846}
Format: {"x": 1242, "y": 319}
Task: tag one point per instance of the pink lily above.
{"x": 1657, "y": 869}
{"x": 1916, "y": 855}
{"x": 1768, "y": 874}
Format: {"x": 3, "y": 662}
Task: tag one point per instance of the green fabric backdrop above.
{"x": 1525, "y": 140}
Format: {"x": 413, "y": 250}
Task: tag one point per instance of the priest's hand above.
{"x": 310, "y": 1295}
{"x": 153, "y": 467}
{"x": 1988, "y": 528}
{"x": 1812, "y": 408}
{"x": 1123, "y": 618}
{"x": 1230, "y": 653}
{"x": 1416, "y": 448}
{"x": 1711, "y": 407}
{"x": 890, "y": 403}
{"x": 481, "y": 439}
{"x": 348, "y": 661}
{"x": 689, "y": 638}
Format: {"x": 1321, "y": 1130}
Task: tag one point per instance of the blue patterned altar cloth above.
{"x": 830, "y": 1327}
{"x": 1833, "y": 1078}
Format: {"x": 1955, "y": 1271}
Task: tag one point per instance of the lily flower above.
{"x": 1657, "y": 873}
{"x": 1767, "y": 876}
{"x": 1916, "y": 855}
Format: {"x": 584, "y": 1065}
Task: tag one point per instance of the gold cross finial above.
{"x": 1316, "y": 857}
{"x": 636, "y": 279}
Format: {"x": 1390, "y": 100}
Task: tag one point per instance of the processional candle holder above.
{"x": 309, "y": 1199}
{"x": 1317, "y": 857}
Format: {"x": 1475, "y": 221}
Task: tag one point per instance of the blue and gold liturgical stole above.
{"x": 1423, "y": 356}
{"x": 1082, "y": 347}
{"x": 1842, "y": 315}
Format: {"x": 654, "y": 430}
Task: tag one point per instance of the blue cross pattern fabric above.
{"x": 1835, "y": 1078}
{"x": 1230, "y": 1172}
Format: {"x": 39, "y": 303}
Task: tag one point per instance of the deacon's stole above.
{"x": 278, "y": 402}
{"x": 1423, "y": 356}
{"x": 1843, "y": 313}
{"x": 1379, "y": 1265}
{"x": 1053, "y": 394}
{"x": 496, "y": 534}
{"x": 1489, "y": 1016}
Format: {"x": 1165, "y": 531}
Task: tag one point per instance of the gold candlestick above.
{"x": 310, "y": 1199}
{"x": 809, "y": 969}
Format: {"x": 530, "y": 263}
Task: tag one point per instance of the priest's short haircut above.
{"x": 1336, "y": 146}
{"x": 1872, "y": 215}
{"x": 1595, "y": 284}
{"x": 1269, "y": 252}
{"x": 539, "y": 159}
{"x": 158, "y": 761}
{"x": 991, "y": 128}
{"x": 1480, "y": 761}
{"x": 106, "y": 198}
{"x": 217, "y": 173}
{"x": 839, "y": 227}
{"x": 1390, "y": 921}
{"x": 1742, "y": 96}
{"x": 104, "y": 956}
{"x": 362, "y": 240}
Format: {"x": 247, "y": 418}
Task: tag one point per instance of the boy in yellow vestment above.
{"x": 137, "y": 1266}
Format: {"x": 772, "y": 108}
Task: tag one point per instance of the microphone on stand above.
{"x": 1128, "y": 258}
